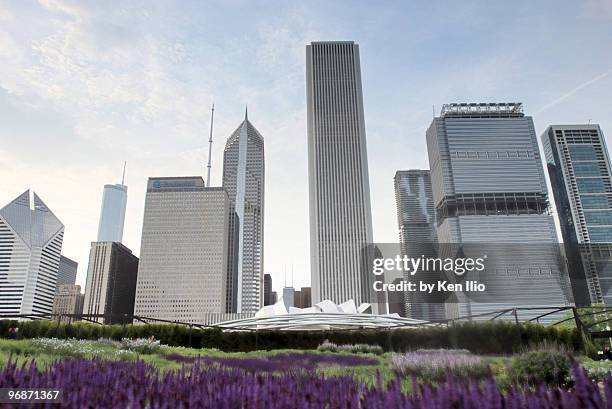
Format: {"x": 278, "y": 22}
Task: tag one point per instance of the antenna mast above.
{"x": 212, "y": 117}
{"x": 123, "y": 176}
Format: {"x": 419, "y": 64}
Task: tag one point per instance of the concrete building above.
{"x": 30, "y": 249}
{"x": 303, "y": 298}
{"x": 111, "y": 282}
{"x": 339, "y": 190}
{"x": 581, "y": 179}
{"x": 489, "y": 187}
{"x": 416, "y": 220}
{"x": 67, "y": 271}
{"x": 182, "y": 274}
{"x": 267, "y": 289}
{"x": 112, "y": 215}
{"x": 289, "y": 297}
{"x": 244, "y": 180}
{"x": 68, "y": 301}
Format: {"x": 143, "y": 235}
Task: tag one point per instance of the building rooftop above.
{"x": 482, "y": 110}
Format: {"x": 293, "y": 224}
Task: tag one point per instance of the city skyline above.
{"x": 110, "y": 112}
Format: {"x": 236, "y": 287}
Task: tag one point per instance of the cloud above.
{"x": 573, "y": 91}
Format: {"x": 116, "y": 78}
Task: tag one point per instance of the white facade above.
{"x": 112, "y": 215}
{"x": 339, "y": 190}
{"x": 244, "y": 180}
{"x": 182, "y": 273}
{"x": 30, "y": 248}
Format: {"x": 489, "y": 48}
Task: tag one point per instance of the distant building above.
{"x": 30, "y": 250}
{"x": 67, "y": 271}
{"x": 183, "y": 259}
{"x": 274, "y": 298}
{"x": 581, "y": 180}
{"x": 489, "y": 187}
{"x": 244, "y": 180}
{"x": 288, "y": 297}
{"x": 303, "y": 298}
{"x": 112, "y": 215}
{"x": 267, "y": 289}
{"x": 339, "y": 188}
{"x": 416, "y": 220}
{"x": 68, "y": 301}
{"x": 111, "y": 282}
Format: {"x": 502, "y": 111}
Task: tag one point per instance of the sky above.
{"x": 86, "y": 85}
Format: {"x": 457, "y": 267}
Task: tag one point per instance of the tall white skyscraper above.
{"x": 244, "y": 180}
{"x": 581, "y": 179}
{"x": 489, "y": 187}
{"x": 182, "y": 273}
{"x": 30, "y": 248}
{"x": 339, "y": 190}
{"x": 112, "y": 215}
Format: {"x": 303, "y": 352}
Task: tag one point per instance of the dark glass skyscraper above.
{"x": 581, "y": 179}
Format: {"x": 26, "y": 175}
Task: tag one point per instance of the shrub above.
{"x": 545, "y": 364}
{"x": 479, "y": 337}
{"x": 437, "y": 365}
{"x": 141, "y": 345}
{"x": 327, "y": 346}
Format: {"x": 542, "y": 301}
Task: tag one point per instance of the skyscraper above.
{"x": 112, "y": 215}
{"x": 111, "y": 282}
{"x": 339, "y": 190}
{"x": 267, "y": 289}
{"x": 489, "y": 187}
{"x": 182, "y": 274}
{"x": 68, "y": 300}
{"x": 244, "y": 180}
{"x": 581, "y": 179}
{"x": 67, "y": 271}
{"x": 417, "y": 232}
{"x": 30, "y": 248}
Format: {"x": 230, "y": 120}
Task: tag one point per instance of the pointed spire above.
{"x": 246, "y": 113}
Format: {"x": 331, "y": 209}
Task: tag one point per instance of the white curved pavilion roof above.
{"x": 325, "y": 315}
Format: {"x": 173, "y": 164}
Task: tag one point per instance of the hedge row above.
{"x": 492, "y": 337}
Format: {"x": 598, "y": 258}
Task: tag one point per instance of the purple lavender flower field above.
{"x": 116, "y": 384}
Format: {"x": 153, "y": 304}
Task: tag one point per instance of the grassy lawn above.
{"x": 23, "y": 351}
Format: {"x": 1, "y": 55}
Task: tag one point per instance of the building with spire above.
{"x": 244, "y": 180}
{"x": 30, "y": 248}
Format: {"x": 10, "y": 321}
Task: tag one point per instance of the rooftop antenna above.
{"x": 433, "y": 111}
{"x": 212, "y": 117}
{"x": 123, "y": 176}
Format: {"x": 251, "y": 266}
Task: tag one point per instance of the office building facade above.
{"x": 267, "y": 289}
{"x": 112, "y": 214}
{"x": 302, "y": 298}
{"x": 416, "y": 220}
{"x": 581, "y": 179}
{"x": 111, "y": 282}
{"x": 30, "y": 249}
{"x": 68, "y": 302}
{"x": 489, "y": 187}
{"x": 244, "y": 180}
{"x": 289, "y": 297}
{"x": 339, "y": 192}
{"x": 67, "y": 271}
{"x": 182, "y": 274}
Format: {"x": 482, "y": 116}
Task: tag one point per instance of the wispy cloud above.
{"x": 573, "y": 91}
